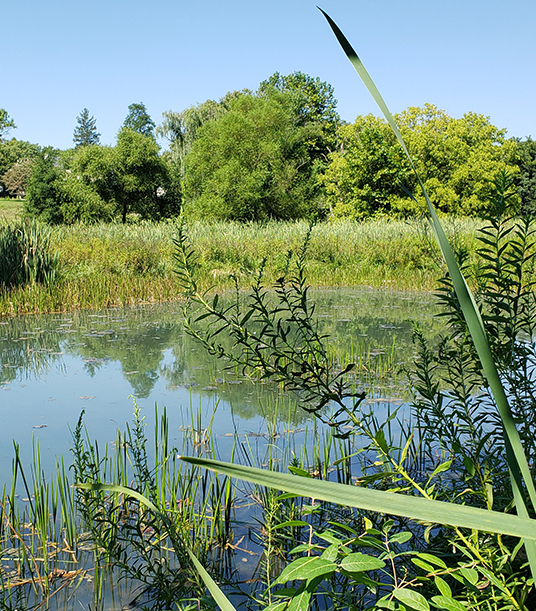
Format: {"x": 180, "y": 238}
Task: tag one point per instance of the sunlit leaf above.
{"x": 356, "y": 563}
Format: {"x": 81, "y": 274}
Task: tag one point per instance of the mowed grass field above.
{"x": 10, "y": 209}
{"x": 113, "y": 264}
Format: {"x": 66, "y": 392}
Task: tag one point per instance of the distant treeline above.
{"x": 281, "y": 152}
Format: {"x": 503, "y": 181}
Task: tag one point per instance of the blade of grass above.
{"x": 212, "y": 586}
{"x": 517, "y": 461}
{"x": 417, "y": 508}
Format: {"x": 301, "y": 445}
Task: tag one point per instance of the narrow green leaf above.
{"x": 443, "y": 586}
{"x": 470, "y": 574}
{"x": 432, "y": 559}
{"x": 441, "y": 468}
{"x": 400, "y": 538}
{"x": 448, "y": 603}
{"x": 221, "y": 600}
{"x": 379, "y": 438}
{"x": 516, "y": 458}
{"x": 331, "y": 552}
{"x": 417, "y": 508}
{"x": 428, "y": 568}
{"x": 212, "y": 586}
{"x": 290, "y": 523}
{"x": 122, "y": 490}
{"x": 300, "y": 601}
{"x": 276, "y": 607}
{"x": 306, "y": 568}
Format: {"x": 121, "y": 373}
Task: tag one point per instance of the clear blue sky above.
{"x": 63, "y": 55}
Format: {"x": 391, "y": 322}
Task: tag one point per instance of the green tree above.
{"x": 366, "y": 177}
{"x": 314, "y": 101}
{"x": 138, "y": 120}
{"x": 13, "y": 151}
{"x": 456, "y": 160}
{"x": 143, "y": 181}
{"x": 17, "y": 177}
{"x": 85, "y": 133}
{"x": 180, "y": 128}
{"x": 252, "y": 162}
{"x": 100, "y": 183}
{"x": 89, "y": 185}
{"x": 6, "y": 123}
{"x": 526, "y": 179}
{"x": 44, "y": 195}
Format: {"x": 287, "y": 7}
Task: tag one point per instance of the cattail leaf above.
{"x": 515, "y": 455}
{"x": 392, "y": 503}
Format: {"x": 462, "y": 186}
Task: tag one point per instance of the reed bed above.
{"x": 113, "y": 265}
{"x": 57, "y": 542}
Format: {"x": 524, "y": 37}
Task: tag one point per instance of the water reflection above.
{"x": 52, "y": 367}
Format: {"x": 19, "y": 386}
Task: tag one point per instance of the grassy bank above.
{"x": 107, "y": 265}
{"x": 10, "y": 209}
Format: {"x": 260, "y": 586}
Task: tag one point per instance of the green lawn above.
{"x": 10, "y": 209}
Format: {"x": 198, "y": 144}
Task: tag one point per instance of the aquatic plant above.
{"x": 26, "y": 255}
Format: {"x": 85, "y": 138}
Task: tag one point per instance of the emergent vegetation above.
{"x": 114, "y": 264}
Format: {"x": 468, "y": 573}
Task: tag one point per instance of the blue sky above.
{"x": 61, "y": 56}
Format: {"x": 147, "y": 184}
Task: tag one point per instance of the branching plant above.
{"x": 274, "y": 335}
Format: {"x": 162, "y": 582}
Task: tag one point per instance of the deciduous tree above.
{"x": 142, "y": 175}
{"x": 253, "y": 162}
{"x": 6, "y": 123}
{"x": 44, "y": 195}
{"x": 12, "y": 151}
{"x": 457, "y": 160}
{"x": 17, "y": 177}
{"x": 526, "y": 179}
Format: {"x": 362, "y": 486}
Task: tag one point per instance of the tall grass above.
{"x": 113, "y": 265}
{"x": 26, "y": 256}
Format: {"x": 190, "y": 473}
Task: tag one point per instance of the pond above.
{"x": 54, "y": 367}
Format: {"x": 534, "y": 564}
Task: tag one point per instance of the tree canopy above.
{"x": 279, "y": 152}
{"x": 456, "y": 159}
{"x": 526, "y": 179}
{"x": 6, "y": 123}
{"x": 252, "y": 162}
{"x": 12, "y": 152}
{"x": 102, "y": 183}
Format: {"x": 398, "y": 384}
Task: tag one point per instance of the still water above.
{"x": 54, "y": 366}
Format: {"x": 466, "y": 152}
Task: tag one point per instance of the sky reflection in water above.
{"x": 54, "y": 366}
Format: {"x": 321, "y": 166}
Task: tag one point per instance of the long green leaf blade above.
{"x": 417, "y": 508}
{"x": 515, "y": 455}
{"x": 212, "y": 586}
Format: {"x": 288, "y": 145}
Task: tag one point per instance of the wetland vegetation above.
{"x": 354, "y": 491}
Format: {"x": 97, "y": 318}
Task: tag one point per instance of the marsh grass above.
{"x": 56, "y": 540}
{"x": 115, "y": 265}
